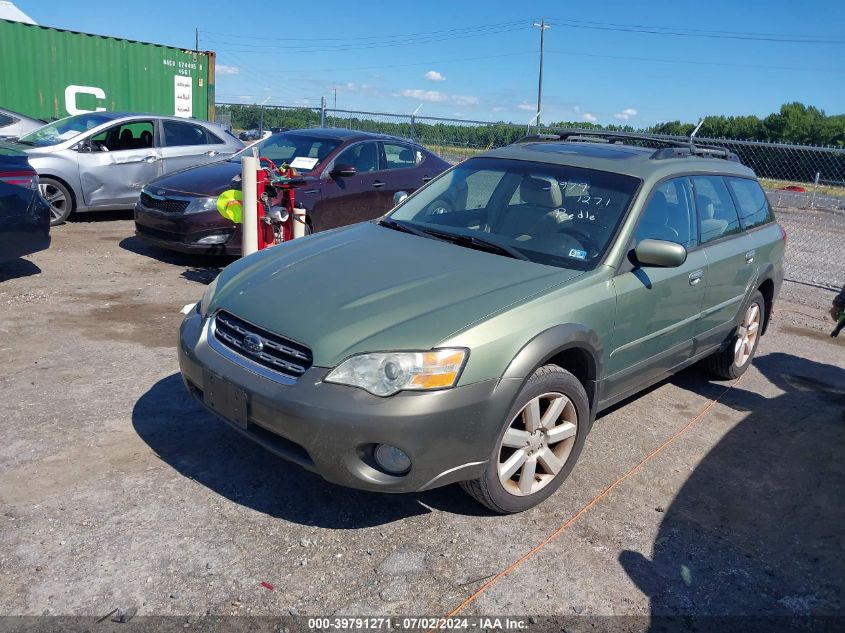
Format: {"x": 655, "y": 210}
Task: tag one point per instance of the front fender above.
{"x": 554, "y": 341}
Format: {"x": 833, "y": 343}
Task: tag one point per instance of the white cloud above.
{"x": 433, "y": 75}
{"x": 464, "y": 100}
{"x": 223, "y": 69}
{"x": 245, "y": 97}
{"x": 435, "y": 96}
{"x": 626, "y": 114}
{"x": 589, "y": 117}
{"x": 528, "y": 107}
{"x": 499, "y": 109}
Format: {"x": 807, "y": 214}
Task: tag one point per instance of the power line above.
{"x": 685, "y": 32}
{"x": 245, "y": 47}
{"x": 377, "y": 37}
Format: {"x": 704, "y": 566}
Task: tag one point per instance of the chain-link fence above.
{"x": 805, "y": 184}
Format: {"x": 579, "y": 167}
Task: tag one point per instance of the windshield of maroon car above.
{"x": 300, "y": 151}
{"x": 64, "y": 129}
{"x": 552, "y": 214}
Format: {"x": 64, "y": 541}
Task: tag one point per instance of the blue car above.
{"x": 24, "y": 214}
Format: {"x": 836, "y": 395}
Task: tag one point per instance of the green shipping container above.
{"x": 50, "y": 73}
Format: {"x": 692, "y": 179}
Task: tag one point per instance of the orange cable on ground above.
{"x": 589, "y": 504}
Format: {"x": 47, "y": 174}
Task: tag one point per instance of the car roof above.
{"x": 630, "y": 160}
{"x": 19, "y": 115}
{"x": 344, "y": 134}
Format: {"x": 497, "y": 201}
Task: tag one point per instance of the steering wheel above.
{"x": 585, "y": 240}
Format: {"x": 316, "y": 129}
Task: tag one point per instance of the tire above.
{"x": 553, "y": 459}
{"x": 58, "y": 197}
{"x": 732, "y": 361}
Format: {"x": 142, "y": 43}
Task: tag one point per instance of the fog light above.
{"x": 392, "y": 459}
{"x": 212, "y": 239}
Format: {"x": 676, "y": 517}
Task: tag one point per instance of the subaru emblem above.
{"x": 253, "y": 343}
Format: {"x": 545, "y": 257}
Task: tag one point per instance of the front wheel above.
{"x": 539, "y": 444}
{"x": 732, "y": 361}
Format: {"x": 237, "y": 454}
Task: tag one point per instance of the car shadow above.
{"x": 202, "y": 448}
{"x": 101, "y": 216}
{"x": 757, "y": 528}
{"x": 17, "y": 269}
{"x": 200, "y": 268}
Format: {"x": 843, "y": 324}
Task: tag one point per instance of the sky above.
{"x": 606, "y": 61}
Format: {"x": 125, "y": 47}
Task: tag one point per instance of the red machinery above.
{"x": 278, "y": 215}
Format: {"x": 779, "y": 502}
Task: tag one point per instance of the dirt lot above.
{"x": 117, "y": 490}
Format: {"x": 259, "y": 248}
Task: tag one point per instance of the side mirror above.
{"x": 660, "y": 253}
{"x": 399, "y": 197}
{"x": 343, "y": 171}
{"x": 85, "y": 147}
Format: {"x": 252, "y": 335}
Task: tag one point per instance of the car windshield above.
{"x": 64, "y": 129}
{"x": 300, "y": 151}
{"x": 550, "y": 214}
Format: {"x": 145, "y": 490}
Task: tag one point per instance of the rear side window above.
{"x": 6, "y": 120}
{"x": 177, "y": 133}
{"x": 751, "y": 200}
{"x": 398, "y": 156}
{"x": 717, "y": 214}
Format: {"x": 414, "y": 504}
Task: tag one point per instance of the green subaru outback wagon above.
{"x": 473, "y": 333}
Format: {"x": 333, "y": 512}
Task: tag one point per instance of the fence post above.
{"x": 322, "y": 112}
{"x": 413, "y": 131}
{"x": 815, "y": 186}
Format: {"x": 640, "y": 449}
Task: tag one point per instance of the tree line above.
{"x": 793, "y": 123}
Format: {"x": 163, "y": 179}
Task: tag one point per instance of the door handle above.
{"x": 378, "y": 184}
{"x": 749, "y": 256}
{"x": 426, "y": 178}
{"x": 151, "y": 159}
{"x": 695, "y": 277}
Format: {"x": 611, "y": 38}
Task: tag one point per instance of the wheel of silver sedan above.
{"x": 747, "y": 335}
{"x": 537, "y": 444}
{"x": 58, "y": 197}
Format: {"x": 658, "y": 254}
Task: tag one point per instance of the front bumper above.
{"x": 182, "y": 231}
{"x": 331, "y": 429}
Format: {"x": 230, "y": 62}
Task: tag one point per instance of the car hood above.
{"x": 367, "y": 288}
{"x": 203, "y": 180}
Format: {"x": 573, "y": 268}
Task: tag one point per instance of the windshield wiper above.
{"x": 471, "y": 241}
{"x": 401, "y": 226}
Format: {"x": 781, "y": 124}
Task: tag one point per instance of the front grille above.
{"x": 277, "y": 352}
{"x": 167, "y": 205}
{"x": 157, "y": 233}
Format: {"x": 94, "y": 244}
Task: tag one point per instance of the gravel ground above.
{"x": 118, "y": 491}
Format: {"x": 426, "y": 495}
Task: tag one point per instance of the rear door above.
{"x": 187, "y": 144}
{"x": 118, "y": 162}
{"x": 730, "y": 258}
{"x": 400, "y": 170}
{"x": 346, "y": 200}
{"x": 658, "y": 308}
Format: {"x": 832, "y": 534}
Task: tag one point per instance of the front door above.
{"x": 730, "y": 257}
{"x": 118, "y": 163}
{"x": 657, "y": 309}
{"x": 346, "y": 200}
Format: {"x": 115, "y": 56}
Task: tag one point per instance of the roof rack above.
{"x": 673, "y": 148}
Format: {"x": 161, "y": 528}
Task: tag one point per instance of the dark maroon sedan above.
{"x": 351, "y": 176}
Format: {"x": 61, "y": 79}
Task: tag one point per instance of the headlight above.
{"x": 197, "y": 205}
{"x": 207, "y": 296}
{"x": 386, "y": 373}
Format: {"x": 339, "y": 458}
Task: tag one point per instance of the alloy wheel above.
{"x": 55, "y": 198}
{"x": 537, "y": 444}
{"x": 747, "y": 334}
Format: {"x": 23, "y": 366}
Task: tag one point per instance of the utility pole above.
{"x": 197, "y": 40}
{"x": 542, "y": 26}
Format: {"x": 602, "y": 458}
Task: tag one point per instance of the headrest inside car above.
{"x": 541, "y": 191}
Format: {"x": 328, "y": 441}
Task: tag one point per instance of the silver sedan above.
{"x": 101, "y": 160}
